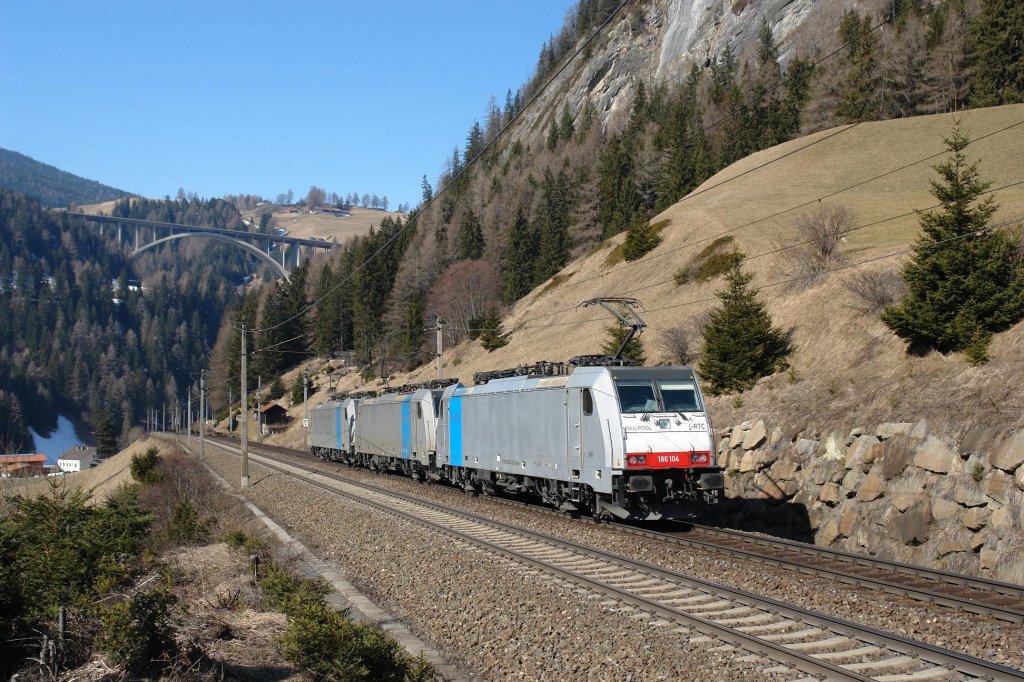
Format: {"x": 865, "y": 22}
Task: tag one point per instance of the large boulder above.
{"x": 976, "y": 518}
{"x": 912, "y": 526}
{"x": 784, "y": 469}
{"x": 996, "y": 485}
{"x": 1019, "y": 478}
{"x": 848, "y": 520}
{"x": 852, "y": 482}
{"x": 897, "y": 454}
{"x": 831, "y": 494}
{"x": 935, "y": 456}
{"x": 906, "y": 490}
{"x": 1002, "y": 521}
{"x": 873, "y": 485}
{"x": 755, "y": 436}
{"x": 979, "y": 439}
{"x": 945, "y": 512}
{"x": 967, "y": 493}
{"x": 827, "y": 470}
{"x": 860, "y": 451}
{"x": 1009, "y": 454}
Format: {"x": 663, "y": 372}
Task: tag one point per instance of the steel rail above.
{"x": 928, "y": 595}
{"x": 925, "y": 594}
{"x": 931, "y": 654}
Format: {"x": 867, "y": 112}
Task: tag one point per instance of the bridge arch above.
{"x": 219, "y": 237}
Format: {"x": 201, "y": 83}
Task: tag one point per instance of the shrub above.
{"x": 715, "y": 259}
{"x": 144, "y": 467}
{"x": 284, "y": 592}
{"x": 137, "y": 631}
{"x": 877, "y": 290}
{"x": 186, "y": 528}
{"x": 333, "y": 646}
{"x": 820, "y": 233}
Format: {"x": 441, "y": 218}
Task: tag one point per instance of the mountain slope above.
{"x": 848, "y": 367}
{"x": 49, "y": 185}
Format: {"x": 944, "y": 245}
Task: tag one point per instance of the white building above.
{"x": 78, "y": 458}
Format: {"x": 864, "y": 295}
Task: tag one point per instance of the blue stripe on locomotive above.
{"x": 406, "y": 428}
{"x": 337, "y": 426}
{"x": 455, "y": 429}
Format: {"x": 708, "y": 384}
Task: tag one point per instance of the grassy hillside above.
{"x": 848, "y": 368}
{"x": 51, "y": 186}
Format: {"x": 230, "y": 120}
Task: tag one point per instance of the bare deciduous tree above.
{"x": 675, "y": 343}
{"x": 876, "y": 290}
{"x": 820, "y": 234}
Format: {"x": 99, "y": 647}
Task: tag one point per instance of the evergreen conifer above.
{"x": 634, "y": 350}
{"x": 965, "y": 280}
{"x": 741, "y": 345}
{"x": 517, "y": 266}
{"x": 640, "y": 239}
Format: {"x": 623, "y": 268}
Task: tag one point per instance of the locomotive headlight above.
{"x": 699, "y": 458}
{"x": 641, "y": 459}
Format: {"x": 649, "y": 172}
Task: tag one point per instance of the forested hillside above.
{"x": 74, "y": 337}
{"x": 614, "y": 127}
{"x": 48, "y": 185}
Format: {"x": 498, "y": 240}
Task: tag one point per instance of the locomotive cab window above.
{"x": 588, "y": 402}
{"x": 419, "y": 410}
{"x": 680, "y": 396}
{"x": 636, "y": 396}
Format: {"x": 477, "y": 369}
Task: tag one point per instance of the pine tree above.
{"x": 469, "y": 243}
{"x": 634, "y": 350}
{"x": 617, "y": 194}
{"x": 517, "y": 261}
{"x": 858, "y": 98}
{"x": 491, "y": 337}
{"x": 553, "y": 218}
{"x": 965, "y": 280}
{"x": 996, "y": 38}
{"x": 740, "y": 343}
{"x": 640, "y": 239}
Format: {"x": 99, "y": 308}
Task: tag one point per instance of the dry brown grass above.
{"x": 848, "y": 368}
{"x": 102, "y": 479}
{"x": 332, "y": 228}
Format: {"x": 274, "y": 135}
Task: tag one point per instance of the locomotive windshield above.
{"x": 637, "y": 396}
{"x": 680, "y": 396}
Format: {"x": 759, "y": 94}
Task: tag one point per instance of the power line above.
{"x": 804, "y": 204}
{"x": 707, "y": 299}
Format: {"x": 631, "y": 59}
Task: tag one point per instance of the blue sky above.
{"x": 224, "y": 97}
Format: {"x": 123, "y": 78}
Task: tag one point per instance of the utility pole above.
{"x": 189, "y": 431}
{"x": 202, "y": 415}
{"x": 244, "y": 414}
{"x": 440, "y": 340}
{"x": 164, "y": 426}
{"x": 305, "y": 411}
{"x": 230, "y": 401}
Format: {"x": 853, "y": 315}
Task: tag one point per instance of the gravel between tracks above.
{"x": 499, "y": 634}
{"x": 491, "y": 616}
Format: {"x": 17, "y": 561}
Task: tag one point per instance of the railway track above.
{"x": 980, "y": 596}
{"x": 971, "y": 594}
{"x": 786, "y": 638}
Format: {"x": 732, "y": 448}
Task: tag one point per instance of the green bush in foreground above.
{"x": 329, "y": 643}
{"x": 137, "y": 631}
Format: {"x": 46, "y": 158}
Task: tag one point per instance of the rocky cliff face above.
{"x": 898, "y": 491}
{"x": 663, "y": 40}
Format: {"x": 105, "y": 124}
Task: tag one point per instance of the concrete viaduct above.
{"x": 289, "y": 251}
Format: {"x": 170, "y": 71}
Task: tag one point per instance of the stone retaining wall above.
{"x": 898, "y": 492}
